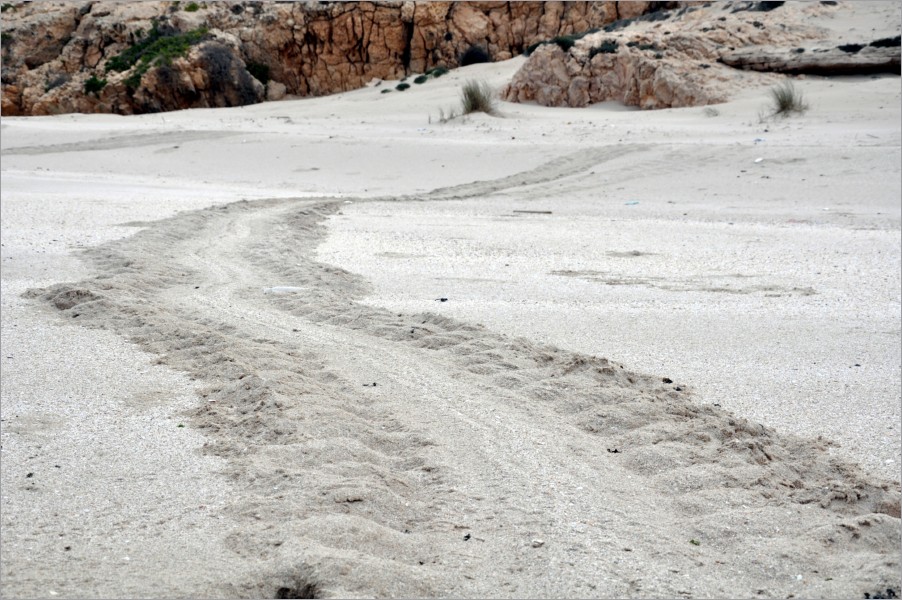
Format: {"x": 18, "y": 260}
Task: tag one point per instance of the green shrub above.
{"x": 260, "y": 71}
{"x": 191, "y": 7}
{"x": 619, "y": 24}
{"x": 785, "y": 100}
{"x": 437, "y": 71}
{"x": 607, "y": 47}
{"x": 94, "y": 85}
{"x": 565, "y": 42}
{"x": 532, "y": 48}
{"x": 7, "y": 6}
{"x": 402, "y": 86}
{"x": 385, "y": 91}
{"x": 6, "y": 38}
{"x": 476, "y": 96}
{"x": 156, "y": 49}
{"x": 421, "y": 79}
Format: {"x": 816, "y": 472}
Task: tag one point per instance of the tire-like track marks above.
{"x": 385, "y": 454}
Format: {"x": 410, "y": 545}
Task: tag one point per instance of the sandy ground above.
{"x": 663, "y": 368}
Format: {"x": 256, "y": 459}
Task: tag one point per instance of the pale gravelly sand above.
{"x": 347, "y": 433}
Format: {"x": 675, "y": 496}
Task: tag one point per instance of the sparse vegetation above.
{"x": 157, "y": 49}
{"x": 93, "y": 85}
{"x": 786, "y": 100}
{"x": 474, "y": 55}
{"x": 192, "y": 7}
{"x": 619, "y": 24}
{"x": 532, "y": 48}
{"x": 421, "y": 79}
{"x": 7, "y": 6}
{"x": 642, "y": 46}
{"x": 437, "y": 71}
{"x": 443, "y": 118}
{"x": 386, "y": 91}
{"x": 565, "y": 42}
{"x": 477, "y": 96}
{"x": 6, "y": 38}
{"x": 606, "y": 47}
{"x": 402, "y": 86}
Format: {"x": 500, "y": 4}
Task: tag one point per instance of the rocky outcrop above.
{"x": 879, "y": 56}
{"x": 56, "y": 56}
{"x": 684, "y": 57}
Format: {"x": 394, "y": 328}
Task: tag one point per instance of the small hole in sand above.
{"x": 307, "y": 590}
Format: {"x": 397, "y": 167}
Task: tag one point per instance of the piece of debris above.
{"x": 537, "y": 543}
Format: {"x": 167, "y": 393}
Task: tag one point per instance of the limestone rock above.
{"x": 275, "y": 91}
{"x": 685, "y": 57}
{"x": 50, "y": 49}
{"x": 850, "y": 59}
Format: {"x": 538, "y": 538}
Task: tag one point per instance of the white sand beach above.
{"x": 333, "y": 347}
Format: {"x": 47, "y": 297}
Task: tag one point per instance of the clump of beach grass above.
{"x": 787, "y": 100}
{"x": 475, "y": 96}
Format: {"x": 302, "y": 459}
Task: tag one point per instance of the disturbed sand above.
{"x": 663, "y": 368}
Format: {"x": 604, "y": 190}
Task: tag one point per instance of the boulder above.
{"x": 691, "y": 56}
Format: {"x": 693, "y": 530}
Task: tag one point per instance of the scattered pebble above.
{"x": 537, "y": 543}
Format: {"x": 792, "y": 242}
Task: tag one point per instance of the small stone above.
{"x": 537, "y": 543}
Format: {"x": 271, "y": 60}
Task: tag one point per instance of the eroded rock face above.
{"x": 879, "y": 56}
{"x": 51, "y": 49}
{"x": 671, "y": 58}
